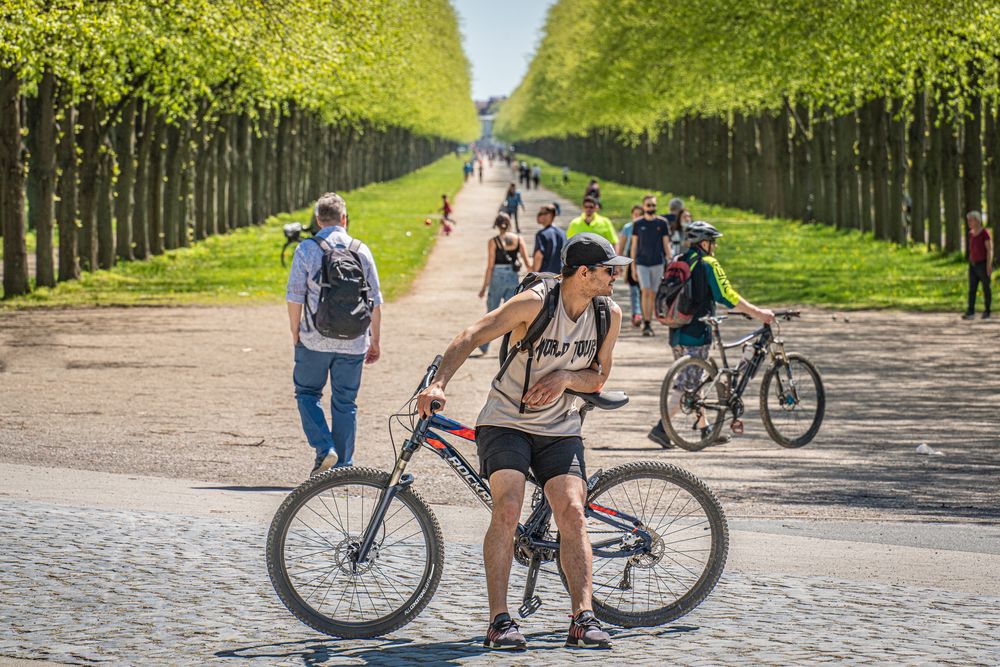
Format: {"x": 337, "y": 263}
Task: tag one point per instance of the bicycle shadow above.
{"x": 407, "y": 651}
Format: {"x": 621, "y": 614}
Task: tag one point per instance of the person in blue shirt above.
{"x": 624, "y": 248}
{"x": 318, "y": 358}
{"x": 511, "y": 203}
{"x": 549, "y": 242}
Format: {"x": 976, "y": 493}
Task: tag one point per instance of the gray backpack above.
{"x": 345, "y": 306}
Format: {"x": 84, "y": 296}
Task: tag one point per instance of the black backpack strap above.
{"x": 534, "y": 332}
{"x": 323, "y": 246}
{"x": 602, "y": 317}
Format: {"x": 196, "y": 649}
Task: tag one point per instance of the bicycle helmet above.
{"x": 699, "y": 231}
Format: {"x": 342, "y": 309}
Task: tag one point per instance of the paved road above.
{"x": 93, "y": 585}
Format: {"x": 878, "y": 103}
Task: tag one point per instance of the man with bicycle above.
{"x": 709, "y": 285}
{"x": 529, "y": 424}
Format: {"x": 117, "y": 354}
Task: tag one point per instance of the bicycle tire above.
{"x": 715, "y": 563}
{"x": 679, "y": 436}
{"x": 277, "y": 570}
{"x": 765, "y": 411}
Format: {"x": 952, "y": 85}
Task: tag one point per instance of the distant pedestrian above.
{"x": 536, "y": 175}
{"x": 678, "y": 228}
{"x": 446, "y": 211}
{"x": 593, "y": 190}
{"x": 592, "y": 221}
{"x": 505, "y": 255}
{"x": 467, "y": 169}
{"x": 565, "y": 175}
{"x": 480, "y": 170}
{"x": 980, "y": 247}
{"x": 549, "y": 242}
{"x": 623, "y": 249}
{"x": 650, "y": 250}
{"x": 319, "y": 357}
{"x": 674, "y": 207}
{"x": 511, "y": 203}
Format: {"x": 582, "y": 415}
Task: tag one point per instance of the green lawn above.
{"x": 244, "y": 266}
{"x": 775, "y": 262}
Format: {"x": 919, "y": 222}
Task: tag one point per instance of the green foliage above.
{"x": 244, "y": 266}
{"x": 778, "y": 262}
{"x": 377, "y": 63}
{"x": 634, "y": 65}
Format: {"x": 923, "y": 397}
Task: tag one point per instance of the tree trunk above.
{"x": 12, "y": 179}
{"x": 42, "y": 177}
{"x": 934, "y": 171}
{"x": 951, "y": 189}
{"x": 972, "y": 159}
{"x": 90, "y": 166}
{"x": 845, "y": 169}
{"x": 829, "y": 165}
{"x": 865, "y": 164}
{"x": 154, "y": 187}
{"x": 880, "y": 166}
{"x": 140, "y": 204}
{"x": 222, "y": 184}
{"x": 898, "y": 228}
{"x": 172, "y": 186}
{"x": 917, "y": 149}
{"x": 105, "y": 222}
{"x": 125, "y": 148}
{"x": 69, "y": 267}
{"x": 201, "y": 189}
{"x": 184, "y": 191}
{"x": 993, "y": 174}
{"x": 244, "y": 198}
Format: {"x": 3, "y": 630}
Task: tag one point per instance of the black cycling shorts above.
{"x": 502, "y": 448}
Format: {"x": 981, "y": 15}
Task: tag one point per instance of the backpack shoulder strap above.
{"x": 324, "y": 246}
{"x": 602, "y": 317}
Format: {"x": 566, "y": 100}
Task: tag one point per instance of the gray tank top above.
{"x": 564, "y": 345}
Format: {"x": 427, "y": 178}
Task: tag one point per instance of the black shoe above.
{"x": 585, "y": 631}
{"x": 324, "y": 462}
{"x": 986, "y": 315}
{"x": 720, "y": 439}
{"x": 647, "y": 329}
{"x": 503, "y": 634}
{"x": 660, "y": 437}
{"x": 969, "y": 316}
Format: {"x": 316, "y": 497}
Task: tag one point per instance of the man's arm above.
{"x": 592, "y": 379}
{"x": 375, "y": 344}
{"x": 519, "y": 311}
{"x": 989, "y": 257}
{"x": 536, "y": 264}
{"x": 294, "y": 317}
{"x": 632, "y": 252}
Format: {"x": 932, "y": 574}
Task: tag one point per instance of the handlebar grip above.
{"x": 436, "y": 406}
{"x": 437, "y": 361}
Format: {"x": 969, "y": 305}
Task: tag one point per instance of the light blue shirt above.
{"x": 303, "y": 282}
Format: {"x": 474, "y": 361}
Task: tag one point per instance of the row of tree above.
{"x": 873, "y": 115}
{"x": 130, "y": 127}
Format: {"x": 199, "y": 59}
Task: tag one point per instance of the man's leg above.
{"x": 345, "y": 381}
{"x": 973, "y": 287}
{"x": 566, "y": 495}
{"x": 309, "y": 377}
{"x": 648, "y": 296}
{"x": 507, "y": 488}
{"x": 984, "y": 278}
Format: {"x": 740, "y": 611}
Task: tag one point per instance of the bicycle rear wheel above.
{"x": 688, "y": 554}
{"x": 687, "y": 398}
{"x": 317, "y": 530}
{"x": 792, "y": 401}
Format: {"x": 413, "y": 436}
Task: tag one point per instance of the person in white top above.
{"x": 543, "y": 434}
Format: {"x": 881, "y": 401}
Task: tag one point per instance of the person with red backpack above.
{"x": 335, "y": 316}
{"x": 705, "y": 285}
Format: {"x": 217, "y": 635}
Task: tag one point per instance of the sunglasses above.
{"x": 612, "y": 270}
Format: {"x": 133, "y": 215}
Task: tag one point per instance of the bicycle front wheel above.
{"x": 311, "y": 550}
{"x": 692, "y": 403}
{"x": 792, "y": 401}
{"x": 687, "y": 556}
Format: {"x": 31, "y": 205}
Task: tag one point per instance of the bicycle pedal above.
{"x": 737, "y": 426}
{"x": 530, "y": 606}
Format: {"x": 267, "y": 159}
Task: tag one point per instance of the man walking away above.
{"x": 565, "y": 175}
{"x": 593, "y": 222}
{"x": 549, "y": 242}
{"x": 709, "y": 286}
{"x": 510, "y": 205}
{"x": 650, "y": 250}
{"x": 536, "y": 175}
{"x": 318, "y": 356}
{"x": 980, "y": 247}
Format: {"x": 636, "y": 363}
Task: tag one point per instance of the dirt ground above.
{"x": 206, "y": 393}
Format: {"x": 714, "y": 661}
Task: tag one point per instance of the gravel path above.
{"x": 206, "y": 393}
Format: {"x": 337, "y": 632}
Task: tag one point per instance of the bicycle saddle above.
{"x": 609, "y": 400}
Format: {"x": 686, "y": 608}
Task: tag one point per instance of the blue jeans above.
{"x": 634, "y": 298}
{"x": 309, "y": 376}
{"x": 503, "y": 283}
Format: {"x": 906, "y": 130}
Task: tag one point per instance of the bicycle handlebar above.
{"x": 428, "y": 378}
{"x": 783, "y": 314}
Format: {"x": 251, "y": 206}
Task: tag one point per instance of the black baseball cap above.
{"x": 589, "y": 249}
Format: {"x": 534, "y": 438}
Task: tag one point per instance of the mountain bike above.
{"x": 356, "y": 552}
{"x": 697, "y": 396}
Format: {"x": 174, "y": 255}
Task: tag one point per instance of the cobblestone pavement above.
{"x": 84, "y": 585}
